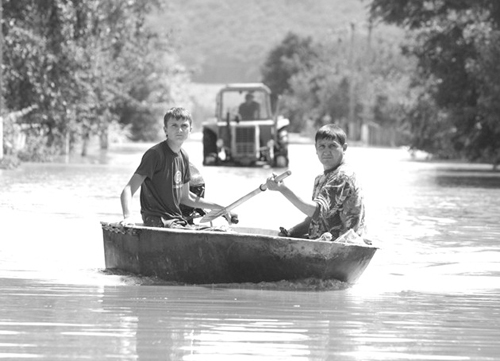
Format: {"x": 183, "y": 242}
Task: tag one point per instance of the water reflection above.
{"x": 194, "y": 323}
{"x": 431, "y": 291}
{"x": 465, "y": 178}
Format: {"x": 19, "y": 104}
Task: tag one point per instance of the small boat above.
{"x": 236, "y": 255}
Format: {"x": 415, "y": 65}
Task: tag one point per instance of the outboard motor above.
{"x": 197, "y": 186}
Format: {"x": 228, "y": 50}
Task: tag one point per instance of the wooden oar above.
{"x": 217, "y": 213}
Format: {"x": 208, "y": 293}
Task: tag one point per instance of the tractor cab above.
{"x": 245, "y": 131}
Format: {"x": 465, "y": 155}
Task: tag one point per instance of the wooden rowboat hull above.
{"x": 241, "y": 255}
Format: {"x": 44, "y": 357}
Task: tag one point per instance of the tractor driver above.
{"x": 250, "y": 109}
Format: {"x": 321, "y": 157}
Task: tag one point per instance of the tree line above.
{"x": 438, "y": 87}
{"x": 74, "y": 69}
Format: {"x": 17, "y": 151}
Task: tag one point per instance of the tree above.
{"x": 456, "y": 44}
{"x": 80, "y": 64}
{"x": 318, "y": 88}
{"x": 293, "y": 55}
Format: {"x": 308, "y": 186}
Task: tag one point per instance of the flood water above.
{"x": 432, "y": 291}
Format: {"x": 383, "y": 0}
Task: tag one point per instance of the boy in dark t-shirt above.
{"x": 164, "y": 176}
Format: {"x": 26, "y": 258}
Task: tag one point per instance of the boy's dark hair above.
{"x": 332, "y": 132}
{"x": 177, "y": 113}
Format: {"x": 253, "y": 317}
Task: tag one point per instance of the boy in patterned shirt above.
{"x": 337, "y": 203}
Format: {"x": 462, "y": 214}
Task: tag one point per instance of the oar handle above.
{"x": 261, "y": 188}
{"x": 278, "y": 179}
{"x": 217, "y": 213}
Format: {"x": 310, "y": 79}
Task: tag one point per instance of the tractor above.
{"x": 244, "y": 131}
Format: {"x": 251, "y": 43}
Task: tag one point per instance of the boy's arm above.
{"x": 306, "y": 207}
{"x": 192, "y": 200}
{"x": 300, "y": 230}
{"x": 128, "y": 192}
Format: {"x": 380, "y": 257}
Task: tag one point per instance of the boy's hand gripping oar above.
{"x": 219, "y": 212}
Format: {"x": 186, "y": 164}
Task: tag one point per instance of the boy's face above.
{"x": 177, "y": 130}
{"x": 330, "y": 152}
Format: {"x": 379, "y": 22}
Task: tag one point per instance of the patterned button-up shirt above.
{"x": 340, "y": 201}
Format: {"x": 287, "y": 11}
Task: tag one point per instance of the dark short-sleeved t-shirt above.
{"x": 166, "y": 172}
{"x": 249, "y": 111}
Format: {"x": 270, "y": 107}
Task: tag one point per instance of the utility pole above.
{"x": 351, "y": 125}
{"x": 1, "y": 81}
{"x": 368, "y": 101}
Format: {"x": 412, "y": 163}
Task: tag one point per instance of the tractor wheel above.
{"x": 281, "y": 161}
{"x": 209, "y": 147}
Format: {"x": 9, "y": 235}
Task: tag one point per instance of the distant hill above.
{"x": 228, "y": 40}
